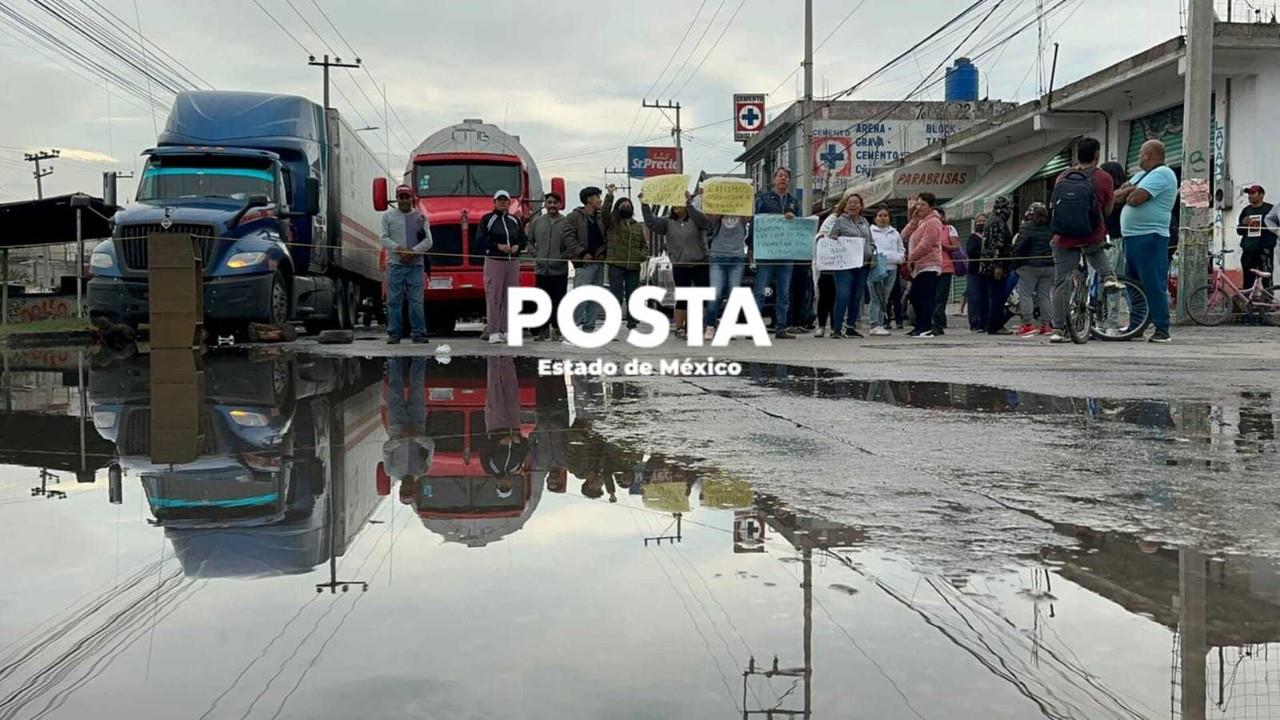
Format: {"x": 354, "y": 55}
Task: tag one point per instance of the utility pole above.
{"x": 619, "y": 171}
{"x": 806, "y": 129}
{"x": 326, "y": 64}
{"x": 41, "y": 172}
{"x": 1195, "y": 233}
{"x": 655, "y": 105}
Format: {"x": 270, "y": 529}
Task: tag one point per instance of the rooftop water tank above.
{"x": 962, "y": 81}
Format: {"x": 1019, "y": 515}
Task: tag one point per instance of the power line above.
{"x": 671, "y": 58}
{"x": 312, "y": 28}
{"x": 283, "y": 29}
{"x": 665, "y": 91}
{"x": 714, "y": 45}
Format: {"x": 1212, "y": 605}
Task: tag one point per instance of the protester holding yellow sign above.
{"x": 666, "y": 190}
{"x": 724, "y": 196}
{"x": 684, "y": 232}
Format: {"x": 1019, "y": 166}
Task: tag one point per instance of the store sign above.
{"x": 645, "y": 162}
{"x": 855, "y": 148}
{"x": 748, "y": 114}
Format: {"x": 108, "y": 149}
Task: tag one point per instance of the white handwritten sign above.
{"x": 842, "y": 253}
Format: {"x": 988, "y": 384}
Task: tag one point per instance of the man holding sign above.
{"x": 776, "y": 267}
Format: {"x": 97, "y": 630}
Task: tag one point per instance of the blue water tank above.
{"x": 962, "y": 81}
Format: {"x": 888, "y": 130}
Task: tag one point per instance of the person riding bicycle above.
{"x": 1082, "y": 199}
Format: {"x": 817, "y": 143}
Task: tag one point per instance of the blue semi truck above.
{"x": 268, "y": 184}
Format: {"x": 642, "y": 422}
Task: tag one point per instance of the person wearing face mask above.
{"x": 626, "y": 249}
{"x": 888, "y": 245}
{"x": 973, "y": 294}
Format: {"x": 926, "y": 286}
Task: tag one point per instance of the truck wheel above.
{"x": 353, "y": 304}
{"x": 342, "y": 310}
{"x": 278, "y": 311}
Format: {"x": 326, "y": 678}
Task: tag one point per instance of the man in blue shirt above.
{"x": 1148, "y": 199}
{"x": 777, "y": 201}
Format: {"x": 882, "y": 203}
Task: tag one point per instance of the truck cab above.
{"x": 455, "y": 173}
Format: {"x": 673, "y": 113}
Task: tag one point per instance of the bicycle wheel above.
{"x": 1209, "y": 305}
{"x": 1120, "y": 314}
{"x": 1079, "y": 321}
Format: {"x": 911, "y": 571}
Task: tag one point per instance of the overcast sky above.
{"x": 566, "y": 76}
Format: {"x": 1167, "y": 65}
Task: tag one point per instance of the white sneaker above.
{"x": 497, "y": 339}
{"x": 709, "y": 334}
{"x": 1057, "y": 338}
{"x": 880, "y": 332}
{"x": 925, "y": 334}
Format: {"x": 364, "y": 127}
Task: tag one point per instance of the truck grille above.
{"x": 446, "y": 245}
{"x": 131, "y": 242}
{"x": 134, "y": 437}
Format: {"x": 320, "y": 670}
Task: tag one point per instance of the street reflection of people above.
{"x": 408, "y": 451}
{"x": 549, "y": 453}
{"x": 505, "y": 449}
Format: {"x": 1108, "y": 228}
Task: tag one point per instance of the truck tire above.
{"x": 342, "y": 310}
{"x": 277, "y": 310}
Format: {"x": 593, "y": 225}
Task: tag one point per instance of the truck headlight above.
{"x": 102, "y": 261}
{"x": 246, "y": 260}
{"x": 245, "y": 418}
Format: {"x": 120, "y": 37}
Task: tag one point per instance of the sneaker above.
{"x": 925, "y": 334}
{"x": 709, "y": 334}
{"x": 879, "y": 332}
{"x": 497, "y": 338}
{"x": 1027, "y": 330}
{"x": 901, "y": 326}
{"x": 682, "y": 333}
{"x": 1000, "y": 331}
{"x": 853, "y": 333}
{"x": 821, "y": 332}
{"x": 420, "y": 340}
{"x": 837, "y": 335}
{"x": 1160, "y": 336}
{"x": 393, "y": 340}
{"x": 1046, "y": 329}
{"x": 798, "y": 330}
{"x": 977, "y": 330}
{"x": 784, "y": 335}
{"x": 1057, "y": 338}
{"x": 484, "y": 336}
{"x": 937, "y": 332}
{"x": 1112, "y": 283}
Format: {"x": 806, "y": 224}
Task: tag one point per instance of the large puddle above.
{"x": 271, "y": 536}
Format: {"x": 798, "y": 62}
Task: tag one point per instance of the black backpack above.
{"x": 1073, "y": 206}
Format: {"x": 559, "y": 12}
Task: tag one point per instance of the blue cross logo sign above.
{"x": 833, "y": 156}
{"x": 749, "y": 118}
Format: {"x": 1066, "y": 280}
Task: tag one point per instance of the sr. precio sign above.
{"x": 643, "y": 162}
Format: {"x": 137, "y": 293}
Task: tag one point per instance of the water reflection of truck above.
{"x": 460, "y": 499}
{"x": 273, "y": 185}
{"x": 455, "y": 173}
{"x": 284, "y": 479}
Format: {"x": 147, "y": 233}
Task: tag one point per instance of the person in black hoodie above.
{"x": 501, "y": 239}
{"x": 977, "y": 304}
{"x": 1033, "y": 253}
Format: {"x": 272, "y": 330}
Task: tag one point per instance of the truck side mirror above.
{"x": 313, "y": 196}
{"x": 257, "y": 201}
{"x": 380, "y": 194}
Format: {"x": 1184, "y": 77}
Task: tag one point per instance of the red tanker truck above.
{"x": 455, "y": 173}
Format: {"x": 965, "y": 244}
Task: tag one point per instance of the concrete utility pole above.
{"x": 806, "y": 127}
{"x": 41, "y": 172}
{"x": 1195, "y": 234}
{"x": 655, "y": 105}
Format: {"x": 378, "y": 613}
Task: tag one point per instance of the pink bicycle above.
{"x": 1215, "y": 302}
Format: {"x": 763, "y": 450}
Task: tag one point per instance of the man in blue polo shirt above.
{"x": 777, "y": 201}
{"x": 1149, "y": 198}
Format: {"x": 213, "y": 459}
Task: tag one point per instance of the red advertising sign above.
{"x": 644, "y": 162}
{"x": 748, "y": 114}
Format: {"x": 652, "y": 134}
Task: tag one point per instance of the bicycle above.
{"x": 1106, "y": 314}
{"x": 1215, "y": 302}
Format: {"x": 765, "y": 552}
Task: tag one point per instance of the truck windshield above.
{"x": 196, "y": 177}
{"x": 471, "y": 180}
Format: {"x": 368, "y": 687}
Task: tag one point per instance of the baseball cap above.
{"x": 404, "y": 190}
{"x": 1255, "y": 188}
{"x": 502, "y": 194}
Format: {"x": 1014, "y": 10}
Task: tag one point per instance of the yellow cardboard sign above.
{"x": 728, "y": 197}
{"x": 666, "y": 190}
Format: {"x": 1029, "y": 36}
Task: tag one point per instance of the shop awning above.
{"x": 945, "y": 181}
{"x": 1001, "y": 179}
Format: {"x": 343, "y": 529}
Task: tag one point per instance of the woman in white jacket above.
{"x": 889, "y": 246}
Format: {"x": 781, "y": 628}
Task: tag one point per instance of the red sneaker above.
{"x": 1046, "y": 329}
{"x": 1027, "y": 330}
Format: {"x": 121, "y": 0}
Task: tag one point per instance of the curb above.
{"x": 60, "y": 338}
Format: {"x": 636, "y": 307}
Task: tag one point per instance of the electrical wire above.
{"x": 670, "y": 59}
{"x": 714, "y": 45}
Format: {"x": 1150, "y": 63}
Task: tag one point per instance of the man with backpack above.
{"x": 1082, "y": 199}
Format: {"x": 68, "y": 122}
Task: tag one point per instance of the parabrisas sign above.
{"x": 644, "y": 162}
{"x": 741, "y": 317}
